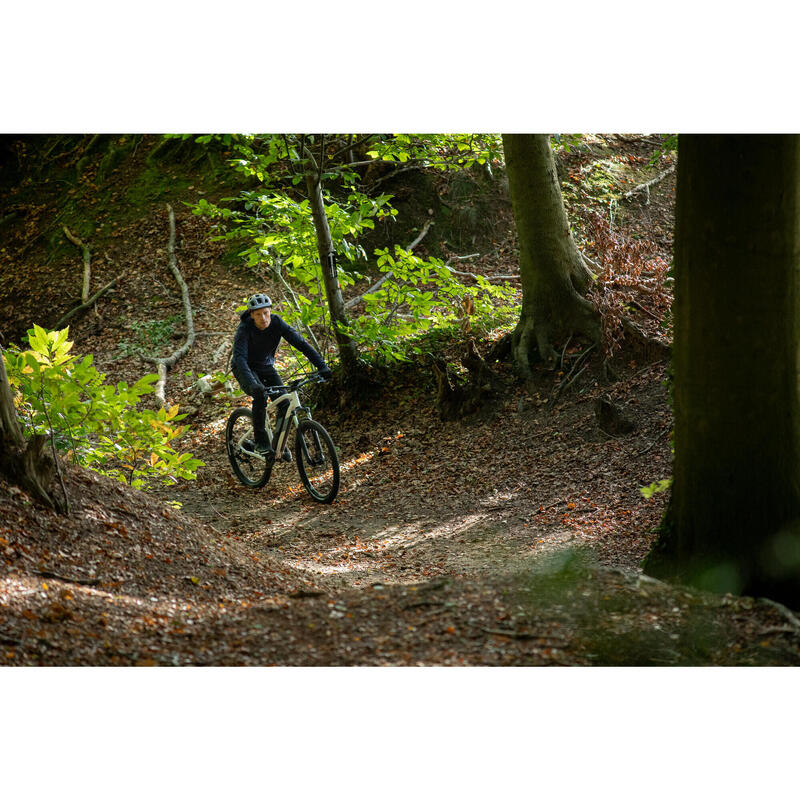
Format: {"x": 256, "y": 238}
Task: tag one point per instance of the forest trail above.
{"x": 525, "y": 553}
{"x": 529, "y": 480}
{"x": 513, "y": 538}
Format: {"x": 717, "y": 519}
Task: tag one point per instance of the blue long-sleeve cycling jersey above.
{"x": 254, "y": 349}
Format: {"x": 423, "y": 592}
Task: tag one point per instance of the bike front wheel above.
{"x": 317, "y": 461}
{"x": 250, "y": 468}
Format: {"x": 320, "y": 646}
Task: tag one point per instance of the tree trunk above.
{"x": 347, "y": 349}
{"x": 29, "y": 466}
{"x": 733, "y": 522}
{"x": 553, "y": 273}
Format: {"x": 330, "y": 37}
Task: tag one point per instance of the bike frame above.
{"x": 293, "y": 398}
{"x": 289, "y": 416}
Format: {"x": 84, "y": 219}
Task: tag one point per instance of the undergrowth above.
{"x": 629, "y": 274}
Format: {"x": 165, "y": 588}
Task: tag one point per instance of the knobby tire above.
{"x": 250, "y": 470}
{"x": 317, "y": 461}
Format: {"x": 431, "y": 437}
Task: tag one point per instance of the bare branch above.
{"x": 352, "y": 146}
{"x": 472, "y": 274}
{"x": 377, "y": 285}
{"x": 646, "y": 186}
{"x": 164, "y": 364}
{"x": 87, "y": 262}
{"x": 89, "y": 302}
{"x": 275, "y": 270}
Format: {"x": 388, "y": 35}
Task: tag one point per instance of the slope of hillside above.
{"x": 511, "y": 538}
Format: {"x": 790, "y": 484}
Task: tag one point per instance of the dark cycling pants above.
{"x": 267, "y": 376}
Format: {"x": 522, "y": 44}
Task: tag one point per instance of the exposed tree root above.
{"x": 456, "y": 400}
{"x": 537, "y": 331}
{"x": 31, "y": 468}
{"x": 25, "y": 463}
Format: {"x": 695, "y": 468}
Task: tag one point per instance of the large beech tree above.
{"x": 554, "y": 275}
{"x": 733, "y": 522}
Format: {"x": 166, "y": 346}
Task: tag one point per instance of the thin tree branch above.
{"x": 352, "y": 146}
{"x": 90, "y": 302}
{"x": 377, "y": 285}
{"x": 163, "y": 364}
{"x": 647, "y": 185}
{"x": 288, "y": 154}
{"x": 87, "y": 262}
{"x": 53, "y": 448}
{"x": 275, "y": 270}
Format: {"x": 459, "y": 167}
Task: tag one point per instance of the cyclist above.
{"x": 253, "y": 363}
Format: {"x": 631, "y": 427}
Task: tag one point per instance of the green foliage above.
{"x": 97, "y": 425}
{"x": 440, "y": 151}
{"x": 149, "y": 337}
{"x": 430, "y": 296}
{"x": 670, "y": 146}
{"x": 656, "y": 488}
{"x": 274, "y": 229}
{"x": 566, "y": 141}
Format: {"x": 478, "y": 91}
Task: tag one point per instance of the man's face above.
{"x": 261, "y": 317}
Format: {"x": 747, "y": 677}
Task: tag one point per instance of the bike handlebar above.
{"x": 294, "y": 385}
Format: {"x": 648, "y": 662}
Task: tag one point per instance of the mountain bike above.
{"x": 314, "y": 451}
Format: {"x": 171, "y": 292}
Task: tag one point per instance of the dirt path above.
{"x": 463, "y": 500}
{"x": 510, "y": 540}
{"x": 524, "y": 552}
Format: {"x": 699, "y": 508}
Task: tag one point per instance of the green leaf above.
{"x": 656, "y": 488}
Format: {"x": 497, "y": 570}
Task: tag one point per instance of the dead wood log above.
{"x": 88, "y": 304}
{"x": 501, "y": 349}
{"x": 553, "y": 641}
{"x": 165, "y": 364}
{"x": 652, "y": 350}
{"x": 482, "y": 377}
{"x": 450, "y": 400}
{"x": 87, "y": 301}
{"x": 783, "y": 610}
{"x": 646, "y": 186}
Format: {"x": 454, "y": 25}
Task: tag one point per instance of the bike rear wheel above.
{"x": 249, "y": 468}
{"x": 317, "y": 461}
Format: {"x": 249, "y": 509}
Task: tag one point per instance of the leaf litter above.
{"x": 514, "y": 538}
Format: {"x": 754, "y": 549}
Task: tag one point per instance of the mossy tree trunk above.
{"x": 554, "y": 276}
{"x": 733, "y": 523}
